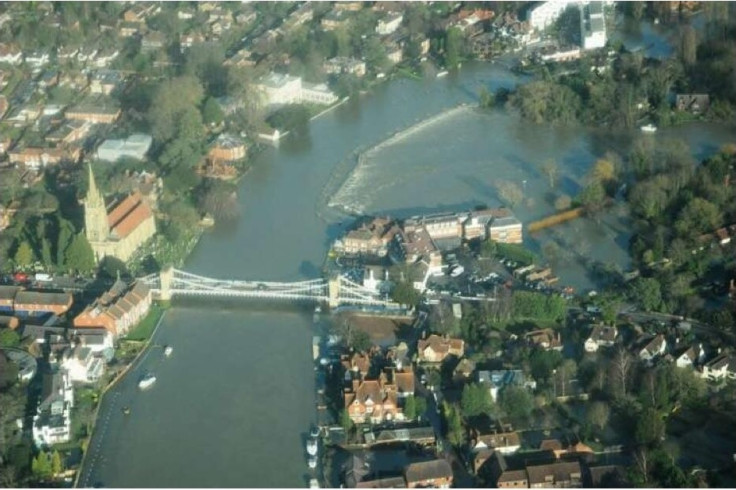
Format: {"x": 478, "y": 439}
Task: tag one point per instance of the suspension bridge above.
{"x": 335, "y": 291}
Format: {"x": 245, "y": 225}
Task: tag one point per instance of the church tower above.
{"x": 95, "y": 214}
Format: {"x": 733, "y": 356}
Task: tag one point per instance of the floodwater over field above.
{"x": 231, "y": 406}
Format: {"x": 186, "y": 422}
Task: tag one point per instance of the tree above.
{"x": 597, "y": 414}
{"x": 516, "y": 402}
{"x": 64, "y": 239}
{"x": 405, "y": 294}
{"x": 698, "y": 216}
{"x": 57, "y": 465}
{"x": 170, "y": 101}
{"x": 543, "y": 362}
{"x": 9, "y": 338}
{"x": 410, "y": 407}
{"x": 552, "y": 171}
{"x": 563, "y": 202}
{"x": 79, "y": 256}
{"x": 488, "y": 248}
{"x": 41, "y": 466}
{"x": 592, "y": 197}
{"x": 476, "y": 400}
{"x": 565, "y": 372}
{"x": 211, "y": 112}
{"x": 24, "y": 254}
{"x": 688, "y": 45}
{"x": 345, "y": 421}
{"x": 509, "y": 192}
{"x": 649, "y": 427}
{"x": 621, "y": 366}
{"x": 453, "y": 47}
{"x": 454, "y": 424}
{"x": 648, "y": 293}
{"x": 603, "y": 171}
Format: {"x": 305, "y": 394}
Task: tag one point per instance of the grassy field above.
{"x": 145, "y": 328}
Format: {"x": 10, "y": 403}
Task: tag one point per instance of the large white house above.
{"x": 592, "y": 25}
{"x": 134, "y": 146}
{"x": 82, "y": 365}
{"x": 52, "y": 423}
{"x": 723, "y": 366}
{"x": 278, "y": 89}
{"x": 543, "y": 15}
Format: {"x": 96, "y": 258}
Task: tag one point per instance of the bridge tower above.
{"x": 333, "y": 291}
{"x": 167, "y": 275}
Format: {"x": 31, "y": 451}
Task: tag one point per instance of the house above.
{"x": 105, "y": 57}
{"x": 436, "y": 348}
{"x": 98, "y": 340}
{"x": 152, "y": 41}
{"x": 334, "y": 19}
{"x": 690, "y": 357}
{"x": 477, "y": 223}
{"x": 464, "y": 370}
{"x": 344, "y": 65}
{"x": 371, "y": 238}
{"x": 394, "y": 52}
{"x": 242, "y": 59}
{"x": 438, "y": 226}
{"x": 52, "y": 422}
{"x": 416, "y": 244}
{"x": 37, "y": 58}
{"x": 653, "y": 348}
{"x": 227, "y": 148}
{"x": 65, "y": 53}
{"x": 560, "y": 474}
{"x": 543, "y": 14}
{"x": 372, "y": 401}
{"x": 11, "y": 54}
{"x": 695, "y": 103}
{"x": 69, "y": 132}
{"x": 140, "y": 11}
{"x": 723, "y": 366}
{"x": 82, "y": 365}
{"x": 389, "y": 24}
{"x": 37, "y": 303}
{"x": 86, "y": 53}
{"x": 559, "y": 450}
{"x": 95, "y": 113}
{"x": 134, "y": 146}
{"x": 356, "y": 366}
{"x": 429, "y": 474}
{"x": 36, "y": 158}
{"x": 545, "y": 338}
{"x": 592, "y": 25}
{"x": 188, "y": 40}
{"x": 502, "y": 442}
{"x": 404, "y": 380}
{"x": 505, "y": 477}
{"x": 601, "y": 336}
{"x": 498, "y": 380}
{"x": 418, "y": 435}
{"x": 105, "y": 81}
{"x": 279, "y": 89}
{"x": 120, "y": 229}
{"x": 118, "y": 310}
{"x": 506, "y": 229}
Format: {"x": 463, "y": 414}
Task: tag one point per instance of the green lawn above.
{"x": 145, "y": 328}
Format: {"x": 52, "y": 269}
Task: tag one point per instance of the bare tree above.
{"x": 509, "y": 192}
{"x": 641, "y": 462}
{"x": 621, "y": 367}
{"x": 551, "y": 170}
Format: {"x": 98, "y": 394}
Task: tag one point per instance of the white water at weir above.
{"x": 353, "y": 192}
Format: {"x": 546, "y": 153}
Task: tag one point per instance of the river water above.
{"x": 233, "y": 403}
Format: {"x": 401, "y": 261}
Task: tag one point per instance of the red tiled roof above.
{"x": 128, "y": 215}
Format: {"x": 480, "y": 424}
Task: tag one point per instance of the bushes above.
{"x": 538, "y": 306}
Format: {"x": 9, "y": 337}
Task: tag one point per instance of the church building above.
{"x": 119, "y": 229}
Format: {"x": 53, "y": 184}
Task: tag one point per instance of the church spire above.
{"x": 95, "y": 213}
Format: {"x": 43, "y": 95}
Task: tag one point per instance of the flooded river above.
{"x": 233, "y": 403}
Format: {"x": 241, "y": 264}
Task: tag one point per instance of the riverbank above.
{"x": 155, "y": 318}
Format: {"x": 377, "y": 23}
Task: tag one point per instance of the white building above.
{"x": 37, "y": 58}
{"x": 343, "y": 64}
{"x": 592, "y": 25}
{"x": 693, "y": 355}
{"x": 134, "y": 146}
{"x": 497, "y": 380}
{"x": 52, "y": 423}
{"x": 82, "y": 365}
{"x": 375, "y": 277}
{"x": 601, "y": 336}
{"x": 544, "y": 14}
{"x": 723, "y": 366}
{"x": 278, "y": 89}
{"x": 389, "y": 24}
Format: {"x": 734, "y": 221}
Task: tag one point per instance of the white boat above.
{"x": 312, "y": 462}
{"x": 649, "y": 128}
{"x": 312, "y": 447}
{"x": 457, "y": 271}
{"x": 147, "y": 381}
{"x": 442, "y": 73}
{"x": 168, "y": 350}
{"x": 313, "y": 483}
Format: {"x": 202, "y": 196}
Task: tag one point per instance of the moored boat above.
{"x": 147, "y": 381}
{"x": 313, "y": 483}
{"x": 649, "y": 128}
{"x": 312, "y": 447}
{"x": 168, "y": 350}
{"x": 442, "y": 73}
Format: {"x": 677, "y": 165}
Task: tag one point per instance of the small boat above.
{"x": 312, "y": 447}
{"x": 457, "y": 271}
{"x": 649, "y": 128}
{"x": 126, "y": 410}
{"x": 312, "y": 462}
{"x": 442, "y": 73}
{"x": 314, "y": 432}
{"x": 168, "y": 350}
{"x": 318, "y": 309}
{"x": 147, "y": 381}
{"x": 313, "y": 483}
